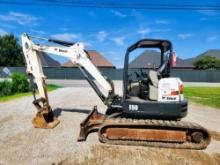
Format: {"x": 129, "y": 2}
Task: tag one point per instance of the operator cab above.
{"x": 148, "y": 62}
{"x": 148, "y": 90}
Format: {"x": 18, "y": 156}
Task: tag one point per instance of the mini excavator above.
{"x": 148, "y": 113}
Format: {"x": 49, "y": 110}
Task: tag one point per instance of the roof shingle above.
{"x": 97, "y": 59}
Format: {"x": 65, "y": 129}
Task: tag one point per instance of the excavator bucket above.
{"x": 44, "y": 117}
{"x": 46, "y": 121}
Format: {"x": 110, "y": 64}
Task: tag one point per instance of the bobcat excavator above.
{"x": 147, "y": 114}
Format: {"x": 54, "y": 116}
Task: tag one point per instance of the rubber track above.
{"x": 187, "y": 126}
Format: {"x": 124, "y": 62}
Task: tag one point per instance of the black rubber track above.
{"x": 164, "y": 124}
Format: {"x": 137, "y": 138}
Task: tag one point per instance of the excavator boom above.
{"x": 76, "y": 53}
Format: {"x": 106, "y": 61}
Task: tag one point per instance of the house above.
{"x": 152, "y": 59}
{"x": 188, "y": 63}
{"x": 97, "y": 59}
{"x": 47, "y": 61}
{"x": 148, "y": 59}
{"x": 211, "y": 52}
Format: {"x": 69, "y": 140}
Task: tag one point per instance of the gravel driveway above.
{"x": 20, "y": 143}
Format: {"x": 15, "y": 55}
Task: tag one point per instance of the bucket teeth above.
{"x": 47, "y": 121}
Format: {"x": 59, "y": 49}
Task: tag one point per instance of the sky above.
{"x": 111, "y": 30}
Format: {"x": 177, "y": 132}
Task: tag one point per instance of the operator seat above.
{"x": 155, "y": 76}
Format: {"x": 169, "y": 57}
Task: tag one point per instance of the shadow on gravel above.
{"x": 86, "y": 111}
{"x": 57, "y": 112}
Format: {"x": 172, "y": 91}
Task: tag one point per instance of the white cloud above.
{"x": 145, "y": 31}
{"x": 2, "y": 31}
{"x": 212, "y": 38}
{"x": 66, "y": 36}
{"x": 118, "y": 14}
{"x": 37, "y": 31}
{"x": 101, "y": 36}
{"x": 72, "y": 37}
{"x": 184, "y": 36}
{"x": 136, "y": 13}
{"x": 208, "y": 18}
{"x": 161, "y": 21}
{"x": 208, "y": 12}
{"x": 119, "y": 41}
{"x": 20, "y": 18}
{"x": 87, "y": 44}
{"x": 161, "y": 30}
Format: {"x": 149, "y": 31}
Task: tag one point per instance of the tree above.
{"x": 207, "y": 62}
{"x": 10, "y": 51}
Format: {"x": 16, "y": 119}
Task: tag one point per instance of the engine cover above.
{"x": 170, "y": 90}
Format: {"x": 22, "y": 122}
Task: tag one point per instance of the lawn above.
{"x": 209, "y": 96}
{"x": 50, "y": 87}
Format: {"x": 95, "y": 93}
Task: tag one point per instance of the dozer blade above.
{"x": 90, "y": 124}
{"x": 46, "y": 121}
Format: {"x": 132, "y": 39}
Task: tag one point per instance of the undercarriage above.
{"x": 145, "y": 132}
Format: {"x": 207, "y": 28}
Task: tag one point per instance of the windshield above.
{"x": 145, "y": 58}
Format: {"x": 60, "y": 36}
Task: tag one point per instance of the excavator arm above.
{"x": 76, "y": 53}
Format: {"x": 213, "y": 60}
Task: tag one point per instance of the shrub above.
{"x": 19, "y": 83}
{"x": 5, "y": 88}
{"x": 207, "y": 62}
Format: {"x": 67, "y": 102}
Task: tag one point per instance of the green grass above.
{"x": 50, "y": 87}
{"x": 209, "y": 96}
